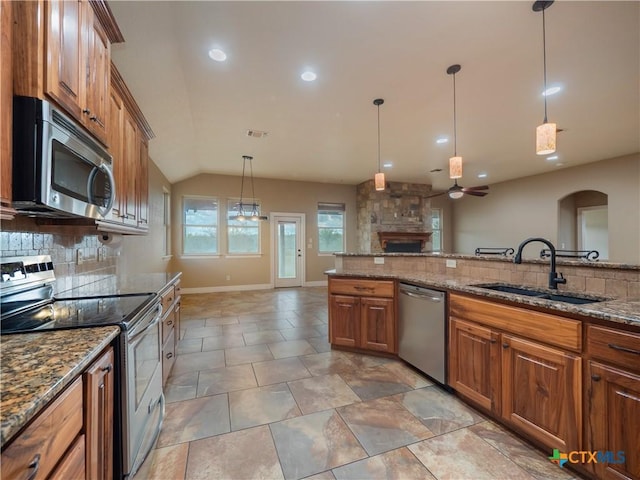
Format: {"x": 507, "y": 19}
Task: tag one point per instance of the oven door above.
{"x": 144, "y": 399}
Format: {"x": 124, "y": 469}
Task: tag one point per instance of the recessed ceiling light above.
{"x": 551, "y": 91}
{"x": 441, "y": 140}
{"x": 559, "y": 164}
{"x": 217, "y": 55}
{"x": 482, "y": 175}
{"x": 552, "y": 158}
{"x": 387, "y": 164}
{"x": 308, "y": 76}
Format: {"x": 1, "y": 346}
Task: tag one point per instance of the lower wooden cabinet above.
{"x": 170, "y": 298}
{"x": 362, "y": 314}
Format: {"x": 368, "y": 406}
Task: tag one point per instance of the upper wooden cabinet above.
{"x": 6, "y": 112}
{"x": 64, "y": 54}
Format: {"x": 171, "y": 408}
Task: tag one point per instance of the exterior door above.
{"x": 288, "y": 243}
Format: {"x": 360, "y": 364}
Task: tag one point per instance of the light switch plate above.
{"x": 378, "y": 260}
{"x": 451, "y": 263}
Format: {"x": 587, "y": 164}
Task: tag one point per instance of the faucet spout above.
{"x": 554, "y": 278}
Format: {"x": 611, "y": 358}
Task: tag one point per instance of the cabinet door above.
{"x": 613, "y": 415}
{"x": 73, "y": 464}
{"x": 168, "y": 356}
{"x": 6, "y": 113}
{"x": 541, "y": 392}
{"x": 378, "y": 326}
{"x": 344, "y": 324}
{"x": 99, "y": 382}
{"x": 131, "y": 159}
{"x": 115, "y": 139}
{"x": 143, "y": 189}
{"x": 65, "y": 65}
{"x": 98, "y": 68}
{"x": 474, "y": 363}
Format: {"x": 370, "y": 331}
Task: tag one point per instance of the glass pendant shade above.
{"x": 546, "y": 138}
{"x": 379, "y": 181}
{"x": 455, "y": 167}
{"x": 456, "y": 194}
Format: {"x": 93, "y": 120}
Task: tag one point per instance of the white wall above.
{"x": 529, "y": 207}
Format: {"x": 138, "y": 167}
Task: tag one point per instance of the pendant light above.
{"x": 545, "y": 133}
{"x": 248, "y": 211}
{"x": 455, "y": 162}
{"x": 379, "y": 177}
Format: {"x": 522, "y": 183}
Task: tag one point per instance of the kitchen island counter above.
{"x": 35, "y": 367}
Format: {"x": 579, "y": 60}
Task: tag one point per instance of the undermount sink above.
{"x": 537, "y": 293}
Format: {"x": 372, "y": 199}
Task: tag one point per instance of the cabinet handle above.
{"x": 86, "y": 111}
{"x": 493, "y": 340}
{"x": 93, "y": 118}
{"x": 505, "y": 345}
{"x": 169, "y": 323}
{"x": 107, "y": 368}
{"x": 595, "y": 378}
{"x": 169, "y": 355}
{"x": 624, "y": 349}
{"x": 360, "y": 288}
{"x": 35, "y": 465}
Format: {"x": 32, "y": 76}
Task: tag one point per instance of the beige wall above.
{"x": 529, "y": 207}
{"x": 210, "y": 273}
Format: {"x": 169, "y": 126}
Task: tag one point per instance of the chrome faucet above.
{"x": 554, "y": 278}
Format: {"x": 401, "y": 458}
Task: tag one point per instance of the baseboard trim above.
{"x": 228, "y": 288}
{"x": 316, "y": 283}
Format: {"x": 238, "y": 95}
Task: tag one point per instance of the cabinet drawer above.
{"x": 168, "y": 356}
{"x": 73, "y": 464}
{"x": 168, "y": 325}
{"x": 46, "y": 440}
{"x": 167, "y": 299}
{"x": 614, "y": 346}
{"x": 551, "y": 329}
{"x": 375, "y": 288}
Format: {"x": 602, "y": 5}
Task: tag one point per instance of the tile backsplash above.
{"x": 77, "y": 255}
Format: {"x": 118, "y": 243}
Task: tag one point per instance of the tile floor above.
{"x": 257, "y": 393}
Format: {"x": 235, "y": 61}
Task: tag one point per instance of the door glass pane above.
{"x": 286, "y": 250}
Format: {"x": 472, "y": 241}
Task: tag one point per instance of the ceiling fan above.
{"x": 455, "y": 162}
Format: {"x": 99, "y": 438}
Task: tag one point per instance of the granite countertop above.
{"x": 612, "y": 310}
{"x": 35, "y": 367}
{"x": 124, "y": 285}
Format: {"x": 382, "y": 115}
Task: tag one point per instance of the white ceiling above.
{"x": 326, "y": 130}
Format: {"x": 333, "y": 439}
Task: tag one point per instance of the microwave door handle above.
{"x": 102, "y": 211}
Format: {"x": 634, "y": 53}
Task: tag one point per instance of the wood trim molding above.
{"x": 118, "y": 83}
{"x": 107, "y": 20}
{"x": 385, "y": 237}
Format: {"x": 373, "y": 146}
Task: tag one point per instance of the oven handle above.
{"x": 153, "y": 323}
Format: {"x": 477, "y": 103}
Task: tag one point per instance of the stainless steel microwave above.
{"x": 58, "y": 169}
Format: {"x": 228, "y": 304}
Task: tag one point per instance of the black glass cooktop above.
{"x": 77, "y": 313}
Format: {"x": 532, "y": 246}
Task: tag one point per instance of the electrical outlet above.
{"x": 378, "y": 260}
{"x": 79, "y": 257}
{"x": 451, "y": 263}
{"x": 228, "y": 277}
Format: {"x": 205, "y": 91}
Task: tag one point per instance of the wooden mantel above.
{"x": 404, "y": 237}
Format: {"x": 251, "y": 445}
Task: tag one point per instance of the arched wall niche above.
{"x": 582, "y": 222}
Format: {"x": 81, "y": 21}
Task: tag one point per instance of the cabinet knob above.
{"x": 595, "y": 378}
{"x": 34, "y": 466}
{"x": 169, "y": 355}
{"x": 505, "y": 345}
{"x": 107, "y": 368}
{"x": 170, "y": 322}
{"x": 86, "y": 111}
{"x": 93, "y": 118}
{"x": 493, "y": 340}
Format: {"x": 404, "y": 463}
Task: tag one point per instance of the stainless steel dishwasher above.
{"x": 421, "y": 330}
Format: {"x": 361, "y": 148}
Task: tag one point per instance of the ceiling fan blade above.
{"x": 435, "y": 195}
{"x": 475, "y": 193}
{"x": 471, "y": 189}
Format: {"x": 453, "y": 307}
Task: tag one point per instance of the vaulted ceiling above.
{"x": 326, "y": 130}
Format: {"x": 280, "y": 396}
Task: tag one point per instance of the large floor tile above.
{"x": 314, "y": 443}
{"x": 321, "y": 393}
{"x": 227, "y": 340}
{"x": 398, "y": 464}
{"x": 462, "y": 454}
{"x": 230, "y": 320}
{"x": 382, "y": 425}
{"x": 300, "y": 333}
{"x": 201, "y": 332}
{"x": 292, "y": 348}
{"x": 194, "y": 419}
{"x": 246, "y": 454}
{"x": 278, "y": 371}
{"x": 321, "y": 344}
{"x": 182, "y": 386}
{"x": 374, "y": 382}
{"x": 192, "y": 362}
{"x": 239, "y": 328}
{"x": 367, "y": 361}
{"x": 264, "y": 336}
{"x": 226, "y": 379}
{"x": 327, "y": 362}
{"x": 190, "y": 345}
{"x": 407, "y": 375}
{"x": 253, "y": 353}
{"x": 165, "y": 463}
{"x": 441, "y": 412}
{"x": 259, "y": 406}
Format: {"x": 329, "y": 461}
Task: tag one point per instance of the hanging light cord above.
{"x": 378, "y": 138}
{"x": 544, "y": 62}
{"x": 244, "y": 162}
{"x": 254, "y": 206}
{"x": 455, "y": 134}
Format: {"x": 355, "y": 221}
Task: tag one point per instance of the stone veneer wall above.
{"x": 23, "y": 236}
{"x": 401, "y": 207}
{"x": 620, "y": 282}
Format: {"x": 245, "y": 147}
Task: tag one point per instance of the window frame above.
{"x": 166, "y": 222}
{"x": 215, "y": 226}
{"x": 331, "y": 207}
{"x": 438, "y": 230}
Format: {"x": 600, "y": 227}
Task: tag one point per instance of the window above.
{"x": 200, "y": 223}
{"x": 243, "y": 237}
{"x": 331, "y": 227}
{"x": 436, "y": 228}
{"x": 166, "y": 222}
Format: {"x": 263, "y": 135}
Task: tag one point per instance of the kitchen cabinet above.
{"x": 6, "y": 113}
{"x": 362, "y": 314}
{"x": 612, "y": 401}
{"x": 170, "y": 299}
{"x": 521, "y": 366}
{"x": 99, "y": 420}
{"x": 64, "y": 55}
{"x": 72, "y": 437}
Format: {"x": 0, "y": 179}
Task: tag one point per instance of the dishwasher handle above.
{"x": 423, "y": 296}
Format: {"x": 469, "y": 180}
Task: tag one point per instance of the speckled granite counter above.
{"x": 124, "y": 284}
{"x": 35, "y": 367}
{"x": 612, "y": 310}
